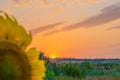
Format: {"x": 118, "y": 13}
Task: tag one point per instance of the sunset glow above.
{"x": 53, "y": 57}
{"x": 70, "y": 28}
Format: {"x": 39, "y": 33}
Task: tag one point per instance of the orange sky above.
{"x": 70, "y": 28}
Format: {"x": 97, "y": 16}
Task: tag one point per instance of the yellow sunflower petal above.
{"x": 38, "y": 66}
{"x": 12, "y": 31}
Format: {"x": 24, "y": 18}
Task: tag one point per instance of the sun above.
{"x": 53, "y": 57}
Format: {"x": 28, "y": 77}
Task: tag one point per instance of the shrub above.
{"x": 74, "y": 70}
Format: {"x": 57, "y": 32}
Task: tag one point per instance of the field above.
{"x": 90, "y": 78}
{"x": 68, "y": 69}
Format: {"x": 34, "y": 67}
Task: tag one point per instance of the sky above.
{"x": 70, "y": 28}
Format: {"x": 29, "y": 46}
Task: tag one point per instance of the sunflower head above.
{"x": 15, "y": 62}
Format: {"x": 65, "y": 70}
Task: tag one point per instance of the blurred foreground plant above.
{"x": 16, "y": 63}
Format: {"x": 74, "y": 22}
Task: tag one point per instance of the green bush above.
{"x": 50, "y": 75}
{"x": 74, "y": 71}
{"x": 86, "y": 65}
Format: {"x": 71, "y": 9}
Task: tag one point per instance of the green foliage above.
{"x": 74, "y": 70}
{"x": 41, "y": 56}
{"x": 81, "y": 71}
{"x": 63, "y": 77}
{"x": 71, "y": 70}
{"x": 103, "y": 78}
{"x": 50, "y": 75}
{"x": 86, "y": 65}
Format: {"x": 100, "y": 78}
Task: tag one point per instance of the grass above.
{"x": 104, "y": 78}
{"x": 66, "y": 78}
{"x": 89, "y": 78}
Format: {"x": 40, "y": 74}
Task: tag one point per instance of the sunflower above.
{"x": 16, "y": 61}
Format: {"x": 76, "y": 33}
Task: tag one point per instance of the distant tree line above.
{"x": 78, "y": 70}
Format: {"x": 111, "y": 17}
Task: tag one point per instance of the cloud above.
{"x": 51, "y": 33}
{"x": 54, "y": 2}
{"x": 112, "y": 28}
{"x": 114, "y": 45}
{"x": 44, "y": 28}
{"x": 21, "y": 1}
{"x": 83, "y": 2}
{"x": 79, "y": 2}
{"x": 107, "y": 15}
